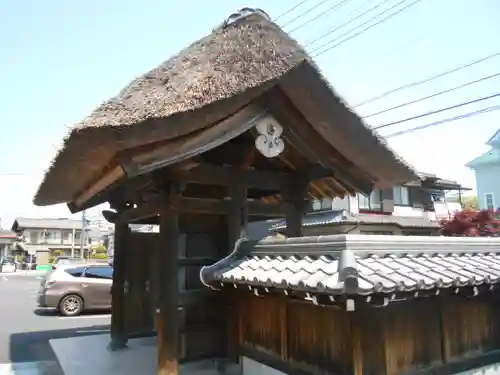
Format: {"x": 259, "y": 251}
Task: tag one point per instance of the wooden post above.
{"x": 237, "y": 220}
{"x": 118, "y": 329}
{"x": 238, "y": 212}
{"x": 293, "y": 196}
{"x": 357, "y": 349}
{"x": 167, "y": 321}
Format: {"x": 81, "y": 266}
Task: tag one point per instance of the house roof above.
{"x": 494, "y": 141}
{"x": 205, "y": 83}
{"x": 431, "y": 180}
{"x": 490, "y": 157}
{"x": 343, "y": 217}
{"x": 40, "y": 223}
{"x": 359, "y": 264}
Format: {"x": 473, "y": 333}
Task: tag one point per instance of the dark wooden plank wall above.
{"x": 202, "y": 334}
{"x": 311, "y": 338}
{"x": 139, "y": 301}
{"x": 199, "y": 319}
{"x": 436, "y": 331}
{"x": 409, "y": 336}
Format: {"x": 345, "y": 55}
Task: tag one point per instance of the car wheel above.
{"x": 71, "y": 305}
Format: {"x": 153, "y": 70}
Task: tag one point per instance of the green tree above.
{"x": 468, "y": 202}
{"x": 99, "y": 252}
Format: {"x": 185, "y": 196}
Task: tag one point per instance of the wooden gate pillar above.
{"x": 293, "y": 197}
{"x": 167, "y": 315}
{"x": 238, "y": 212}
{"x": 118, "y": 328}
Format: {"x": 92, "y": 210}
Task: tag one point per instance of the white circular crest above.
{"x": 269, "y": 142}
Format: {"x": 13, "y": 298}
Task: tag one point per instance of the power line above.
{"x": 369, "y": 27}
{"x": 417, "y": 83}
{"x": 436, "y": 123}
{"x": 431, "y": 96}
{"x": 304, "y": 13}
{"x": 291, "y": 9}
{"x": 341, "y": 26}
{"x": 437, "y": 111}
{"x": 331, "y": 9}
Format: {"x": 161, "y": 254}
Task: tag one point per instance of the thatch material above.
{"x": 204, "y": 83}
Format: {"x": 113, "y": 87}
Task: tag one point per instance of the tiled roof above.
{"x": 7, "y": 234}
{"x": 342, "y": 217}
{"x": 63, "y": 223}
{"x": 360, "y": 264}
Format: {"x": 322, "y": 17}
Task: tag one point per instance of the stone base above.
{"x": 90, "y": 355}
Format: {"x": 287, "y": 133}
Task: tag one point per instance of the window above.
{"x": 489, "y": 201}
{"x": 75, "y": 272}
{"x": 99, "y": 272}
{"x": 401, "y": 196}
{"x": 31, "y": 236}
{"x": 438, "y": 197}
{"x": 372, "y": 202}
{"x": 51, "y": 236}
{"x": 322, "y": 204}
{"x": 68, "y": 237}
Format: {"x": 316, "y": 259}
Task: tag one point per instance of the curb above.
{"x": 23, "y": 273}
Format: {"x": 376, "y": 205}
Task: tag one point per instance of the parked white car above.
{"x": 7, "y": 264}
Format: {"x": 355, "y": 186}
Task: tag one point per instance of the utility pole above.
{"x": 73, "y": 232}
{"x": 82, "y": 234}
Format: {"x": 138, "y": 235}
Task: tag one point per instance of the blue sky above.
{"x": 61, "y": 59}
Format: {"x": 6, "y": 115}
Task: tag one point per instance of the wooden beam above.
{"x": 200, "y": 206}
{"x": 118, "y": 330}
{"x": 305, "y": 139}
{"x": 158, "y": 155}
{"x": 99, "y": 185}
{"x": 166, "y": 313}
{"x": 207, "y": 174}
{"x": 143, "y": 211}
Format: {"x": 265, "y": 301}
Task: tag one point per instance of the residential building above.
{"x": 487, "y": 170}
{"x": 414, "y": 208}
{"x": 41, "y": 236}
{"x": 7, "y": 239}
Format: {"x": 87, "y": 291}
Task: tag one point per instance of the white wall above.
{"x": 350, "y": 204}
{"x": 488, "y": 181}
{"x": 407, "y": 211}
{"x": 251, "y": 367}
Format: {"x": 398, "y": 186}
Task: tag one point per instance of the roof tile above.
{"x": 313, "y": 270}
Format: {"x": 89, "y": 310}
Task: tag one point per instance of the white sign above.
{"x": 31, "y": 251}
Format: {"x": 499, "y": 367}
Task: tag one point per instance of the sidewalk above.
{"x": 24, "y": 273}
{"x": 30, "y": 368}
{"x": 89, "y": 355}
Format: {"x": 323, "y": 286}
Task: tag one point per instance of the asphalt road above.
{"x": 25, "y": 331}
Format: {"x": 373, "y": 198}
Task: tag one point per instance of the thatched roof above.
{"x": 206, "y": 82}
